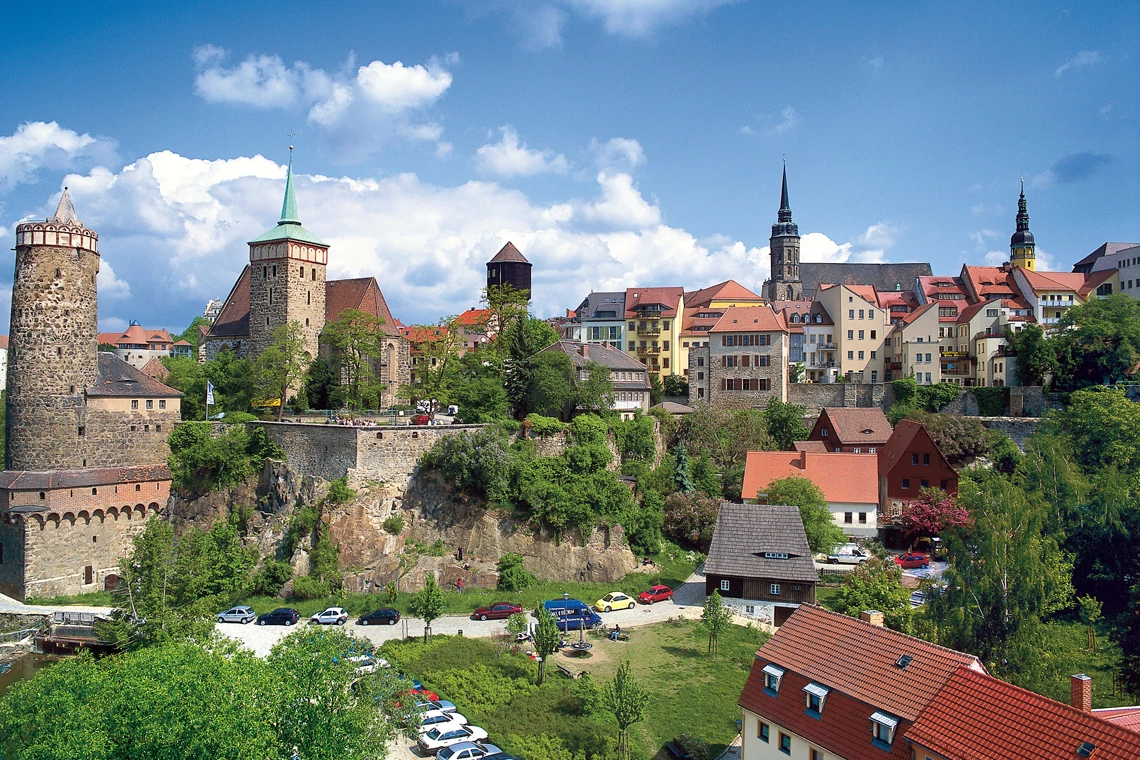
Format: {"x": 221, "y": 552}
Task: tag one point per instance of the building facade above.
{"x": 653, "y": 327}
{"x": 745, "y": 363}
{"x": 629, "y": 377}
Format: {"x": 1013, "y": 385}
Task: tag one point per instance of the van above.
{"x": 571, "y": 614}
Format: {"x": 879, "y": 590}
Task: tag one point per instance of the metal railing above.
{"x": 648, "y": 330}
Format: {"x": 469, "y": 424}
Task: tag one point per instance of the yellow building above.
{"x": 702, "y": 309}
{"x": 861, "y": 327}
{"x": 653, "y": 328}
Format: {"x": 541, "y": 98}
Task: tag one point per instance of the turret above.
{"x": 784, "y": 251}
{"x": 1022, "y": 249}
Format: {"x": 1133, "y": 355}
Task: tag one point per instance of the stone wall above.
{"x": 114, "y": 438}
{"x": 12, "y": 557}
{"x": 1017, "y": 428}
{"x": 815, "y": 396}
{"x": 283, "y": 290}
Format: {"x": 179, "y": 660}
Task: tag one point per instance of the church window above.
{"x": 264, "y": 272}
{"x": 274, "y": 270}
{"x": 313, "y": 271}
{"x": 302, "y": 272}
{"x": 306, "y": 321}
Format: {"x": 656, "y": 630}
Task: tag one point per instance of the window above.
{"x": 871, "y": 314}
{"x": 665, "y": 345}
{"x": 914, "y": 459}
{"x": 918, "y": 359}
{"x": 850, "y": 335}
{"x": 862, "y": 518}
{"x": 926, "y": 459}
{"x": 772, "y": 676}
{"x": 873, "y": 334}
{"x": 631, "y": 346}
{"x": 774, "y": 589}
{"x": 905, "y": 483}
{"x": 850, "y": 354}
{"x": 942, "y": 484}
{"x": 785, "y": 743}
{"x": 874, "y": 354}
{"x": 858, "y": 450}
{"x": 762, "y": 730}
{"x": 860, "y": 314}
{"x": 860, "y": 354}
{"x": 851, "y": 314}
{"x": 928, "y": 374}
{"x": 82, "y": 430}
{"x": 724, "y": 585}
{"x": 150, "y": 403}
{"x": 861, "y": 333}
{"x": 814, "y": 697}
{"x": 700, "y": 361}
{"x": 134, "y": 403}
{"x": 700, "y": 375}
{"x": 883, "y": 729}
{"x": 162, "y": 404}
{"x": 847, "y": 517}
{"x": 816, "y": 755}
{"x": 872, "y": 449}
{"x": 775, "y": 555}
{"x": 665, "y": 363}
{"x": 928, "y": 359}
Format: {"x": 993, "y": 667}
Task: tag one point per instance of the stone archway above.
{"x": 110, "y": 582}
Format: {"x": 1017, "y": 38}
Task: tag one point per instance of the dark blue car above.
{"x": 572, "y": 614}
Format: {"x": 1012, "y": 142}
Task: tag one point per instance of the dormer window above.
{"x": 775, "y": 555}
{"x": 814, "y": 697}
{"x": 772, "y": 678}
{"x": 883, "y": 729}
{"x": 823, "y": 432}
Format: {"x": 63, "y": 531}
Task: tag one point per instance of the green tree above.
{"x": 517, "y": 624}
{"x": 681, "y": 470}
{"x": 823, "y": 534}
{"x": 512, "y": 575}
{"x": 482, "y": 399}
{"x": 1103, "y": 426}
{"x": 551, "y": 390}
{"x": 201, "y": 461}
{"x": 1090, "y": 610}
{"x": 690, "y": 518}
{"x": 1036, "y": 358}
{"x": 596, "y": 391}
{"x": 322, "y": 385}
{"x": 704, "y": 477}
{"x": 428, "y": 604}
{"x": 190, "y": 334}
{"x": 546, "y": 638}
{"x": 876, "y": 585}
{"x": 1004, "y": 574}
{"x": 786, "y": 423}
{"x": 355, "y": 337}
{"x": 676, "y": 385}
{"x": 656, "y": 389}
{"x": 628, "y": 701}
{"x": 280, "y": 369}
{"x": 1098, "y": 342}
{"x": 717, "y": 617}
{"x": 1128, "y": 636}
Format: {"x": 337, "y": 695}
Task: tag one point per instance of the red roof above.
{"x": 933, "y": 286}
{"x": 509, "y": 253}
{"x": 136, "y": 334}
{"x": 843, "y": 478}
{"x": 911, "y": 316}
{"x": 4, "y": 342}
{"x": 233, "y": 320}
{"x": 474, "y": 318}
{"x": 978, "y": 717}
{"x": 1094, "y": 280}
{"x": 1126, "y": 717}
{"x": 728, "y": 290}
{"x": 1053, "y": 280}
{"x": 361, "y": 293}
{"x": 854, "y": 427}
{"x": 155, "y": 369}
{"x": 989, "y": 282}
{"x": 815, "y": 447}
{"x": 668, "y": 298}
{"x": 749, "y": 319}
{"x": 901, "y": 439}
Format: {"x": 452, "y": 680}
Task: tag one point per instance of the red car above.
{"x": 496, "y": 611}
{"x": 421, "y": 419}
{"x": 655, "y": 594}
{"x": 912, "y": 561}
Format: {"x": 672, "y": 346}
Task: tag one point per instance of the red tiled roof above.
{"x": 891, "y": 298}
{"x": 853, "y": 427}
{"x": 155, "y": 369}
{"x": 749, "y": 319}
{"x": 728, "y": 290}
{"x": 1125, "y": 717}
{"x": 901, "y": 439}
{"x": 978, "y": 717}
{"x": 360, "y": 293}
{"x": 1094, "y": 280}
{"x": 1053, "y": 280}
{"x": 29, "y": 480}
{"x": 989, "y": 282}
{"x": 667, "y": 297}
{"x": 509, "y": 253}
{"x": 913, "y": 315}
{"x": 858, "y": 659}
{"x": 846, "y": 478}
{"x": 233, "y": 320}
{"x": 136, "y": 334}
{"x": 815, "y": 447}
{"x": 474, "y": 318}
{"x": 968, "y": 313}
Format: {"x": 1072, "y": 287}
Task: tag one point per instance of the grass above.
{"x": 688, "y": 692}
{"x": 92, "y": 599}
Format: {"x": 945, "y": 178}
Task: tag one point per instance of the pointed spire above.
{"x": 65, "y": 211}
{"x": 784, "y": 224}
{"x": 289, "y": 205}
{"x": 784, "y": 205}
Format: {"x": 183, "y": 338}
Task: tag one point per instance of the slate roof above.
{"x": 673, "y": 407}
{"x": 602, "y": 301}
{"x": 509, "y": 253}
{"x": 880, "y": 276}
{"x": 233, "y": 320}
{"x": 744, "y": 532}
{"x": 979, "y": 717}
{"x": 361, "y": 293}
{"x": 855, "y": 427}
{"x": 1106, "y": 249}
{"x": 117, "y": 378}
{"x": 843, "y": 478}
{"x": 28, "y": 480}
{"x": 749, "y": 319}
{"x": 582, "y": 353}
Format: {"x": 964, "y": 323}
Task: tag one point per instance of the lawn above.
{"x": 688, "y": 692}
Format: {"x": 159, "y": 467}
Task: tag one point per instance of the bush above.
{"x": 201, "y": 461}
{"x": 339, "y": 492}
{"x": 957, "y": 437}
{"x": 480, "y": 688}
{"x": 478, "y": 461}
{"x": 635, "y": 438}
{"x": 394, "y": 525}
{"x": 512, "y": 576}
{"x": 992, "y": 402}
{"x": 544, "y": 426}
{"x": 309, "y": 587}
{"x": 690, "y": 518}
{"x": 271, "y": 577}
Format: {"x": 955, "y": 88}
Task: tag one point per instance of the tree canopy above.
{"x": 823, "y": 534}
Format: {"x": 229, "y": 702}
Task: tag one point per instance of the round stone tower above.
{"x": 53, "y": 342}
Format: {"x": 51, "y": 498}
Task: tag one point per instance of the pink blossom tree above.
{"x": 933, "y": 512}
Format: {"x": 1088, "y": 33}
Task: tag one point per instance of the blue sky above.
{"x": 616, "y": 142}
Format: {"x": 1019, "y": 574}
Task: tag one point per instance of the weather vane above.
{"x": 291, "y": 136}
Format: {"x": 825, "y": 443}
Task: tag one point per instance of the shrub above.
{"x": 339, "y": 492}
{"x": 635, "y": 438}
{"x": 478, "y": 461}
{"x": 512, "y": 576}
{"x": 201, "y": 461}
{"x": 690, "y": 518}
{"x": 587, "y": 694}
{"x": 544, "y": 426}
{"x": 992, "y": 402}
{"x": 268, "y": 580}
{"x": 309, "y": 587}
{"x": 394, "y": 525}
{"x": 480, "y": 688}
{"x": 957, "y": 437}
{"x": 391, "y": 592}
{"x": 695, "y": 748}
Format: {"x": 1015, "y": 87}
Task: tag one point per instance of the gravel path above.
{"x": 10, "y": 605}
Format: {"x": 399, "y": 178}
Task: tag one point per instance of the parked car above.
{"x": 848, "y": 554}
{"x": 431, "y": 742}
{"x": 240, "y": 614}
{"x": 917, "y": 599}
{"x": 469, "y": 751}
{"x": 279, "y": 616}
{"x": 367, "y": 663}
{"x": 331, "y": 616}
{"x": 440, "y": 719}
{"x": 496, "y": 611}
{"x": 421, "y": 419}
{"x": 382, "y": 616}
{"x": 615, "y": 600}
{"x": 435, "y": 704}
{"x": 932, "y": 546}
{"x": 571, "y": 614}
{"x": 657, "y": 593}
{"x": 912, "y": 560}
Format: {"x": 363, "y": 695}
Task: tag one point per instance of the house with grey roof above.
{"x": 628, "y": 375}
{"x": 760, "y": 562}
{"x": 600, "y": 318}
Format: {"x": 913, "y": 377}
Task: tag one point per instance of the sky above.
{"x": 617, "y": 143}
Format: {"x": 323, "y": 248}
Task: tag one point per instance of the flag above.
{"x": 209, "y": 393}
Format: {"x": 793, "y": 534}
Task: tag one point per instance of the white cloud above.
{"x": 109, "y": 285}
{"x": 981, "y": 236}
{"x": 356, "y": 109}
{"x": 1105, "y": 110}
{"x": 39, "y": 145}
{"x": 621, "y": 206}
{"x": 874, "y": 62}
{"x": 443, "y": 149}
{"x": 510, "y": 158}
{"x": 113, "y": 324}
{"x": 617, "y": 153}
{"x": 641, "y": 18}
{"x": 869, "y": 247}
{"x": 774, "y": 125}
{"x": 1081, "y": 60}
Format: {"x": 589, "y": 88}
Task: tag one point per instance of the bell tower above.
{"x": 1022, "y": 249}
{"x": 287, "y": 277}
{"x": 784, "y": 282}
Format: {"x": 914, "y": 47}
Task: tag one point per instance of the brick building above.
{"x": 87, "y": 432}
{"x": 745, "y": 362}
{"x": 854, "y": 431}
{"x": 910, "y": 462}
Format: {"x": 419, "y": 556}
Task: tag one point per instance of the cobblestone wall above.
{"x": 285, "y": 290}
{"x": 1017, "y": 428}
{"x": 114, "y": 438}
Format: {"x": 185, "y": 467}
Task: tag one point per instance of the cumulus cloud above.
{"x": 37, "y": 145}
{"x": 1072, "y": 167}
{"x": 869, "y": 247}
{"x": 109, "y": 285}
{"x": 510, "y": 158}
{"x": 356, "y": 109}
{"x": 980, "y": 237}
{"x": 621, "y": 205}
{"x": 617, "y": 153}
{"x": 1081, "y": 60}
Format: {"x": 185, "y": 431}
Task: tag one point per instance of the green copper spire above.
{"x": 289, "y": 206}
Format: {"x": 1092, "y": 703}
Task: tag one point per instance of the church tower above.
{"x": 287, "y": 278}
{"x": 1022, "y": 249}
{"x": 53, "y": 345}
{"x": 784, "y": 283}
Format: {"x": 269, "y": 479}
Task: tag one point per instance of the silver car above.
{"x": 240, "y": 614}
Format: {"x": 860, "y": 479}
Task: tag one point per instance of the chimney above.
{"x": 803, "y": 459}
{"x": 1081, "y": 692}
{"x": 584, "y": 350}
{"x": 874, "y": 617}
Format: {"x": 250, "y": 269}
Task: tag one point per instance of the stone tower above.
{"x": 1022, "y": 249}
{"x": 287, "y": 278}
{"x": 784, "y": 283}
{"x": 52, "y": 352}
{"x": 509, "y": 267}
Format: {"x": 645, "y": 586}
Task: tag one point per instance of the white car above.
{"x": 848, "y": 554}
{"x": 441, "y": 720}
{"x": 331, "y": 616}
{"x": 366, "y": 663}
{"x": 448, "y": 735}
{"x": 469, "y": 751}
{"x": 437, "y": 704}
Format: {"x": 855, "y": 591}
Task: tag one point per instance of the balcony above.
{"x": 825, "y": 346}
{"x": 648, "y": 330}
{"x": 894, "y": 366}
{"x": 652, "y": 350}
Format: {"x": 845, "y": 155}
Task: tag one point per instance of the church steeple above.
{"x": 785, "y": 214}
{"x": 784, "y": 250}
{"x": 1022, "y": 248}
{"x": 289, "y": 213}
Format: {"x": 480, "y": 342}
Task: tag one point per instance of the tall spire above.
{"x": 289, "y": 205}
{"x": 784, "y": 205}
{"x": 65, "y": 211}
{"x": 784, "y": 224}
